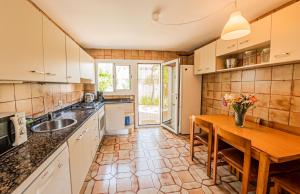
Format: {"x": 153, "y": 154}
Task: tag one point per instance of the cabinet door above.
{"x": 260, "y": 33}
{"x": 21, "y": 41}
{"x": 73, "y": 69}
{"x": 210, "y": 53}
{"x": 87, "y": 66}
{"x": 54, "y": 52}
{"x": 285, "y": 32}
{"x": 197, "y": 62}
{"x": 226, "y": 47}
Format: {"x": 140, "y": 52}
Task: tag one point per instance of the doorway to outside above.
{"x": 148, "y": 94}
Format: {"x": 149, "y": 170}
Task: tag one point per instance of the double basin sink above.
{"x": 53, "y": 125}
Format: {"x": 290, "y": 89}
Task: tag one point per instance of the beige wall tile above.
{"x": 148, "y": 55}
{"x": 118, "y": 54}
{"x": 263, "y": 74}
{"x": 210, "y": 86}
{"x": 7, "y": 92}
{"x": 209, "y": 94}
{"x": 225, "y": 77}
{"x": 284, "y": 72}
{"x": 296, "y": 88}
{"x": 217, "y": 95}
{"x": 263, "y": 100}
{"x": 8, "y": 106}
{"x": 261, "y": 112}
{"x": 279, "y": 116}
{"x": 24, "y": 106}
{"x": 22, "y": 91}
{"x": 297, "y": 71}
{"x": 226, "y": 86}
{"x": 248, "y": 75}
{"x": 280, "y": 102}
{"x": 107, "y": 52}
{"x": 236, "y": 76}
{"x": 38, "y": 106}
{"x": 37, "y": 90}
{"x": 211, "y": 77}
{"x": 294, "y": 119}
{"x": 218, "y": 77}
{"x": 262, "y": 87}
{"x": 295, "y": 104}
{"x": 248, "y": 87}
{"x": 281, "y": 87}
{"x": 217, "y": 87}
{"x": 236, "y": 87}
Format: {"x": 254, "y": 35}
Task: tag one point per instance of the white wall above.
{"x": 134, "y": 80}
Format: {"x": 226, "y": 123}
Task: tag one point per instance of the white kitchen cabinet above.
{"x": 73, "y": 66}
{"x": 115, "y": 118}
{"x": 21, "y": 41}
{"x": 285, "y": 32}
{"x": 260, "y": 34}
{"x": 54, "y": 179}
{"x": 205, "y": 59}
{"x": 101, "y": 124}
{"x": 54, "y": 52}
{"x": 87, "y": 66}
{"x": 83, "y": 145}
{"x": 224, "y": 47}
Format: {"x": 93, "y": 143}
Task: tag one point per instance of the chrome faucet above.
{"x": 50, "y": 116}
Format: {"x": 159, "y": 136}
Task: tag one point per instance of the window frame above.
{"x": 114, "y": 76}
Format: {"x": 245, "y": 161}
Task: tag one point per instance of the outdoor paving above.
{"x": 153, "y": 160}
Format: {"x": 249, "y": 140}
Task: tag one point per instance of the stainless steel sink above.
{"x": 53, "y": 125}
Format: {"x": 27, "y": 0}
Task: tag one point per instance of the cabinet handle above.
{"x": 51, "y": 74}
{"x": 231, "y": 46}
{"x": 38, "y": 72}
{"x": 245, "y": 41}
{"x": 282, "y": 55}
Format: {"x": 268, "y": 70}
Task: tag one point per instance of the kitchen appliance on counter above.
{"x": 89, "y": 97}
{"x": 13, "y": 130}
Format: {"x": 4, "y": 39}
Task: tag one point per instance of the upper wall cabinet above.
{"x": 54, "y": 52}
{"x": 73, "y": 66}
{"x": 226, "y": 46}
{"x": 260, "y": 33}
{"x": 285, "y": 33}
{"x": 87, "y": 66}
{"x": 21, "y": 42}
{"x": 205, "y": 59}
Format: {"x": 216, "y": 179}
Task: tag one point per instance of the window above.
{"x": 113, "y": 77}
{"x": 122, "y": 77}
{"x": 105, "y": 77}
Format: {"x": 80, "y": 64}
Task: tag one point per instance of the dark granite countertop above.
{"x": 20, "y": 162}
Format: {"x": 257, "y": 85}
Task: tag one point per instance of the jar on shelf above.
{"x": 265, "y": 55}
{"x": 249, "y": 57}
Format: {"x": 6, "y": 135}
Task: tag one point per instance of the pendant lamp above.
{"x": 236, "y": 27}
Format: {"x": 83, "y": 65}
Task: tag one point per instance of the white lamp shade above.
{"x": 236, "y": 27}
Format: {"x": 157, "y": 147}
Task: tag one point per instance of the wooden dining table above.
{"x": 268, "y": 145}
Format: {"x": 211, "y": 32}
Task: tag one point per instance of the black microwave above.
{"x": 7, "y": 132}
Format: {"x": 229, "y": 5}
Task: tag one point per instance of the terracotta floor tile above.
{"x": 150, "y": 161}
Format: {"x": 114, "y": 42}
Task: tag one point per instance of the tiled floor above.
{"x": 153, "y": 161}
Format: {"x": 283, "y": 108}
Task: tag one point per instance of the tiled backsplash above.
{"x": 139, "y": 54}
{"x": 37, "y": 99}
{"x": 277, "y": 89}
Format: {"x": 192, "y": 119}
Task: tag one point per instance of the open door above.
{"x": 169, "y": 95}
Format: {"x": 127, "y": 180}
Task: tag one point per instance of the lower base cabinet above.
{"x": 55, "y": 178}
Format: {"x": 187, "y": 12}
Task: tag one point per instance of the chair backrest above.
{"x": 282, "y": 127}
{"x": 253, "y": 119}
{"x": 236, "y": 141}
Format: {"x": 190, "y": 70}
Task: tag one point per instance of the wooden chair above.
{"x": 288, "y": 182}
{"x": 232, "y": 157}
{"x": 205, "y": 137}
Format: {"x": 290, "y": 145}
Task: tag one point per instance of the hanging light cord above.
{"x": 156, "y": 19}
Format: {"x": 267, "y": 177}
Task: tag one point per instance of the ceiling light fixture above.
{"x": 236, "y": 27}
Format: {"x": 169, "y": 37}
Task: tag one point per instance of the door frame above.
{"x": 177, "y": 62}
{"x": 160, "y": 116}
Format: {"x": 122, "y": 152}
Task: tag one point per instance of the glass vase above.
{"x": 240, "y": 118}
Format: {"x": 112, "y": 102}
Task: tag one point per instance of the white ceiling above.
{"x": 127, "y": 24}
